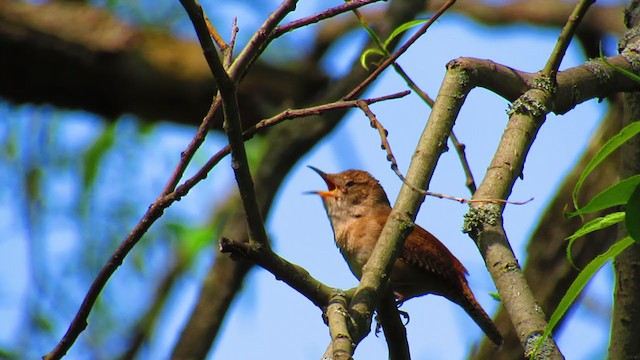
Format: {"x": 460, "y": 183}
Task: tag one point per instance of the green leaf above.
{"x": 632, "y": 222}
{"x": 363, "y": 57}
{"x": 623, "y": 71}
{"x": 625, "y": 134}
{"x": 95, "y": 153}
{"x": 591, "y": 226}
{"x": 579, "y": 283}
{"x": 495, "y": 296}
{"x": 7, "y": 354}
{"x": 192, "y": 239}
{"x": 402, "y": 28}
{"x": 617, "y": 194}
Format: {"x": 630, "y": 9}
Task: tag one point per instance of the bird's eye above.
{"x": 349, "y": 183}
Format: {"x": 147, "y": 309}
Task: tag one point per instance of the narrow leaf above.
{"x": 617, "y": 194}
{"x": 591, "y": 226}
{"x": 95, "y": 153}
{"x": 632, "y": 222}
{"x": 579, "y": 283}
{"x": 363, "y": 57}
{"x": 625, "y": 134}
{"x": 623, "y": 71}
{"x": 402, "y": 28}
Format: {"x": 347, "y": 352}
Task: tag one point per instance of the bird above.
{"x": 358, "y": 208}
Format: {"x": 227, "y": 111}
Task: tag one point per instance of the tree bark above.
{"x": 625, "y": 324}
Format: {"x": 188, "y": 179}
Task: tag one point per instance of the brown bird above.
{"x": 358, "y": 208}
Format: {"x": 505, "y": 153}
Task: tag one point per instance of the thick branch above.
{"x": 625, "y": 323}
{"x": 547, "y": 270}
{"x": 483, "y": 222}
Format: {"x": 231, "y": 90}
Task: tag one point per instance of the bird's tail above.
{"x": 473, "y": 308}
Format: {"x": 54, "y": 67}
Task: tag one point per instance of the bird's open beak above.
{"x": 331, "y": 191}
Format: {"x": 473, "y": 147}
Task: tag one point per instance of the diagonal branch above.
{"x": 347, "y": 6}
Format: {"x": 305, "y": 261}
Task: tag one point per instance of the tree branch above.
{"x": 547, "y": 270}
{"x": 483, "y": 222}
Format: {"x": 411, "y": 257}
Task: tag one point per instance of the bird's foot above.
{"x": 405, "y": 315}
{"x": 378, "y": 324}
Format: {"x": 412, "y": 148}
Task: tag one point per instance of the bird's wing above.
{"x": 425, "y": 251}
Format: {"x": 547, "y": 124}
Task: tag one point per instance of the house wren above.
{"x": 358, "y": 208}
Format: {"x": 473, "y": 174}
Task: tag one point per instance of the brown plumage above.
{"x": 358, "y": 208}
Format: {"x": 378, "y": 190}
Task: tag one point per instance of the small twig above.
{"x": 203, "y": 32}
{"x": 228, "y": 53}
{"x": 553, "y": 64}
{"x": 463, "y": 200}
{"x": 347, "y": 6}
{"x": 373, "y": 121}
{"x": 413, "y": 86}
{"x": 260, "y": 40}
{"x": 318, "y": 110}
{"x": 460, "y": 149}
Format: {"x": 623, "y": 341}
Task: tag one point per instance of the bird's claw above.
{"x": 378, "y": 325}
{"x": 405, "y": 315}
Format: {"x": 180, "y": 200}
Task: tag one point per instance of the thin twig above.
{"x": 347, "y": 6}
{"x": 553, "y": 64}
{"x": 260, "y": 40}
{"x": 460, "y": 150}
{"x": 228, "y": 53}
{"x": 197, "y": 17}
{"x": 318, "y": 110}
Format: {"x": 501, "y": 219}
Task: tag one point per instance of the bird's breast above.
{"x": 356, "y": 240}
